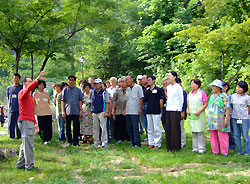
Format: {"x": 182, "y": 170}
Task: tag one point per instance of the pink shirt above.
{"x": 26, "y": 104}
{"x": 204, "y": 96}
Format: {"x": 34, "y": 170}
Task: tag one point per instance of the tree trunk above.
{"x": 245, "y": 58}
{"x": 45, "y": 62}
{"x": 18, "y": 57}
{"x": 32, "y": 65}
{"x": 222, "y": 67}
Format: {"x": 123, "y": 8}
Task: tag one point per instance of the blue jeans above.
{"x": 144, "y": 117}
{"x": 61, "y": 129}
{"x": 241, "y": 129}
{"x": 133, "y": 129}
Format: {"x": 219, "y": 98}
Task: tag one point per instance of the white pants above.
{"x": 100, "y": 121}
{"x": 154, "y": 129}
{"x": 183, "y": 133}
{"x": 199, "y": 141}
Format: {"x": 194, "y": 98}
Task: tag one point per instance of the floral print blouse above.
{"x": 217, "y": 111}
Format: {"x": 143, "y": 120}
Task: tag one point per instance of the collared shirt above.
{"x": 26, "y": 104}
{"x": 133, "y": 97}
{"x": 240, "y": 106}
{"x": 119, "y": 98}
{"x": 112, "y": 91}
{"x": 153, "y": 98}
{"x": 174, "y": 97}
{"x": 144, "y": 89}
{"x": 71, "y": 98}
{"x": 12, "y": 95}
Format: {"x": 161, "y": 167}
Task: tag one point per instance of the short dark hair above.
{"x": 226, "y": 84}
{"x": 25, "y": 79}
{"x": 72, "y": 76}
{"x": 174, "y": 73}
{"x": 63, "y": 84}
{"x": 243, "y": 85}
{"x": 152, "y": 77}
{"x": 196, "y": 81}
{"x": 178, "y": 80}
{"x": 41, "y": 82}
{"x": 82, "y": 81}
{"x": 87, "y": 84}
{"x": 16, "y": 75}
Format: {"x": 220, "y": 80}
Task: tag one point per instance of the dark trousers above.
{"x": 163, "y": 119}
{"x": 173, "y": 119}
{"x": 76, "y": 128}
{"x": 231, "y": 136}
{"x": 112, "y": 127}
{"x": 121, "y": 131}
{"x": 13, "y": 125}
{"x": 45, "y": 126}
{"x": 133, "y": 129}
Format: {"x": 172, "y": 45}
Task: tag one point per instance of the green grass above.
{"x": 123, "y": 164}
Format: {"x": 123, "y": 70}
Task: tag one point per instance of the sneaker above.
{"x": 104, "y": 146}
{"x": 145, "y": 140}
{"x": 34, "y": 169}
{"x": 225, "y": 155}
{"x": 216, "y": 153}
{"x": 45, "y": 143}
{"x": 119, "y": 142}
{"x": 77, "y": 145}
{"x": 183, "y": 146}
{"x": 194, "y": 150}
{"x": 95, "y": 145}
{"x": 247, "y": 154}
{"x": 136, "y": 146}
{"x": 68, "y": 145}
{"x": 131, "y": 145}
{"x": 20, "y": 167}
{"x": 202, "y": 151}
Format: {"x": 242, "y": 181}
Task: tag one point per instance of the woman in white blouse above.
{"x": 173, "y": 113}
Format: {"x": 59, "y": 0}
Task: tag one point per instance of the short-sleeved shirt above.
{"x": 133, "y": 97}
{"x": 71, "y": 97}
{"x": 153, "y": 98}
{"x": 119, "y": 98}
{"x": 12, "y": 95}
{"x": 42, "y": 106}
{"x": 217, "y": 111}
{"x": 112, "y": 91}
{"x": 240, "y": 106}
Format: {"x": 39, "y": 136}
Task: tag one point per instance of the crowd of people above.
{"x": 105, "y": 111}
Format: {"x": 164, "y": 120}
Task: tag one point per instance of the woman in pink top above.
{"x": 43, "y": 112}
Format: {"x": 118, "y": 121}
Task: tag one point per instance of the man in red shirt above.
{"x": 27, "y": 124}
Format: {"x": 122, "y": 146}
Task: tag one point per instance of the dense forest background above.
{"x": 204, "y": 39}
